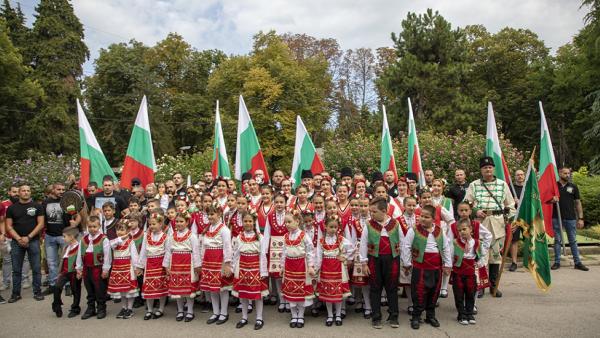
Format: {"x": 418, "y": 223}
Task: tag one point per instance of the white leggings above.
{"x": 220, "y": 301}
{"x": 258, "y": 308}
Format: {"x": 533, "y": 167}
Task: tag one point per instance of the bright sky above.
{"x": 229, "y": 25}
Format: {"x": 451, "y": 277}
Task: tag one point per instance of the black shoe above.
{"x": 432, "y": 321}
{"x": 73, "y": 313}
{"x": 394, "y": 323}
{"x": 414, "y": 324}
{"x": 116, "y": 300}
{"x": 259, "y": 324}
{"x": 513, "y": 267}
{"x": 409, "y": 310}
{"x": 189, "y": 317}
{"x": 89, "y": 313}
{"x": 581, "y": 267}
{"x": 148, "y": 316}
{"x": 14, "y": 298}
{"x": 57, "y": 309}
{"x": 157, "y": 314}
{"x": 241, "y": 324}
{"x": 367, "y": 314}
{"x": 338, "y": 321}
{"x": 128, "y": 314}
{"x": 38, "y": 296}
{"x": 376, "y": 324}
{"x": 444, "y": 293}
{"x": 251, "y": 308}
{"x": 281, "y": 308}
{"x": 212, "y": 319}
{"x": 101, "y": 314}
{"x": 329, "y": 321}
{"x": 238, "y": 309}
{"x": 300, "y": 323}
{"x": 222, "y": 319}
{"x": 293, "y": 322}
{"x": 351, "y": 300}
{"x": 179, "y": 316}
{"x": 555, "y": 266}
{"x": 121, "y": 313}
{"x": 480, "y": 293}
{"x": 314, "y": 312}
{"x": 48, "y": 291}
{"x": 343, "y": 313}
{"x": 498, "y": 294}
{"x": 138, "y": 302}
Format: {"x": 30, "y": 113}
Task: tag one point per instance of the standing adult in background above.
{"x": 392, "y": 188}
{"x": 208, "y": 180}
{"x": 428, "y": 175}
{"x": 13, "y": 197}
{"x": 55, "y": 221}
{"x": 457, "y": 191}
{"x": 571, "y": 214}
{"x": 24, "y": 222}
{"x": 179, "y": 186}
{"x": 276, "y": 179}
{"x": 108, "y": 195}
{"x": 514, "y": 246}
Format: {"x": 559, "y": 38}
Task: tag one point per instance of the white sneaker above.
{"x": 26, "y": 285}
{"x": 463, "y": 322}
{"x": 472, "y": 321}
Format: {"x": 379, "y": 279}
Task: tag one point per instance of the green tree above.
{"x": 18, "y": 96}
{"x": 15, "y": 22}
{"x": 57, "y": 54}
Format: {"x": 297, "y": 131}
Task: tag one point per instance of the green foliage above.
{"x": 589, "y": 190}
{"x": 38, "y": 170}
{"x": 194, "y": 164}
{"x": 440, "y": 152}
{"x": 591, "y": 232}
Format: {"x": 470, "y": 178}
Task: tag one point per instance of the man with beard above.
{"x": 108, "y": 195}
{"x": 208, "y": 180}
{"x": 179, "y": 186}
{"x": 392, "y": 188}
{"x": 13, "y": 197}
{"x": 457, "y": 191}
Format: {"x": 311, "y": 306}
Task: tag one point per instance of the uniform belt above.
{"x": 494, "y": 212}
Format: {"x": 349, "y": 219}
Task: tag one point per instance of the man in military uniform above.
{"x": 492, "y": 202}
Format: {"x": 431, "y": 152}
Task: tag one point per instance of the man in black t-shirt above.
{"x": 571, "y": 214}
{"x": 24, "y": 222}
{"x": 457, "y": 191}
{"x": 108, "y": 195}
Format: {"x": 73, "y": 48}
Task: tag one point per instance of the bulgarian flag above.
{"x": 531, "y": 219}
{"x": 492, "y": 149}
{"x": 139, "y": 161}
{"x": 305, "y": 154}
{"x": 548, "y": 174}
{"x": 93, "y": 163}
{"x": 220, "y": 165}
{"x": 414, "y": 154}
{"x": 248, "y": 156}
{"x": 388, "y": 162}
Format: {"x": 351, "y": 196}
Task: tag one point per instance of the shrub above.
{"x": 38, "y": 170}
{"x": 589, "y": 190}
{"x": 440, "y": 152}
{"x": 194, "y": 164}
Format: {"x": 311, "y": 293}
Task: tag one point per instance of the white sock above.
{"x": 338, "y": 309}
{"x": 149, "y": 305}
{"x": 294, "y": 310}
{"x": 214, "y": 299}
{"x": 329, "y": 307}
{"x": 445, "y": 280}
{"x": 130, "y": 303}
{"x": 408, "y": 295}
{"x": 189, "y": 302}
{"x": 180, "y": 304}
{"x": 258, "y": 307}
{"x": 224, "y": 295}
{"x": 366, "y": 297}
{"x": 278, "y": 282}
{"x": 244, "y": 303}
{"x": 161, "y": 304}
{"x": 300, "y": 310}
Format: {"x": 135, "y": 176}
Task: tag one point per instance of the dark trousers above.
{"x": 96, "y": 287}
{"x": 384, "y": 275}
{"x": 425, "y": 289}
{"x": 464, "y": 288}
{"x": 64, "y": 278}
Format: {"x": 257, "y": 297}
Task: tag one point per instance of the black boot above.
{"x": 494, "y": 271}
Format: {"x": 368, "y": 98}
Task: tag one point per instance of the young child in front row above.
{"x": 407, "y": 221}
{"x": 333, "y": 251}
{"x": 426, "y": 250}
{"x": 250, "y": 270}
{"x": 217, "y": 274}
{"x": 123, "y": 282}
{"x": 93, "y": 265}
{"x": 182, "y": 263}
{"x": 150, "y": 265}
{"x": 274, "y": 232}
{"x": 136, "y": 231}
{"x": 297, "y": 260}
{"x": 466, "y": 252}
{"x": 359, "y": 279}
{"x": 68, "y": 275}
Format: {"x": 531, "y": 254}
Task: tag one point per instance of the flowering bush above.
{"x": 194, "y": 164}
{"x": 440, "y": 152}
{"x": 38, "y": 170}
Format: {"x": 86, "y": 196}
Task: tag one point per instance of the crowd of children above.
{"x": 321, "y": 246}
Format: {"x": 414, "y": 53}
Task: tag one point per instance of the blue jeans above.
{"x": 54, "y": 245}
{"x": 570, "y": 226}
{"x": 7, "y": 269}
{"x": 18, "y": 255}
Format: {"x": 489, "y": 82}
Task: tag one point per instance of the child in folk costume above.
{"x": 254, "y": 194}
{"x": 170, "y": 220}
{"x": 200, "y": 217}
{"x": 359, "y": 280}
{"x": 380, "y": 258}
{"x": 233, "y": 218}
{"x": 360, "y": 188}
{"x": 332, "y": 211}
{"x": 426, "y": 250}
{"x": 274, "y": 232}
{"x": 217, "y": 273}
{"x": 250, "y": 270}
{"x": 182, "y": 264}
{"x": 343, "y": 203}
{"x": 437, "y": 195}
{"x": 312, "y": 231}
{"x": 394, "y": 210}
{"x": 136, "y": 232}
{"x": 407, "y": 221}
{"x": 298, "y": 269}
{"x": 123, "y": 282}
{"x": 301, "y": 202}
{"x": 93, "y": 265}
{"x": 221, "y": 196}
{"x": 402, "y": 190}
{"x": 320, "y": 213}
{"x": 150, "y": 265}
{"x": 265, "y": 208}
{"x": 286, "y": 190}
{"x": 326, "y": 189}
{"x": 333, "y": 251}
{"x": 467, "y": 250}
{"x": 67, "y": 274}
{"x": 109, "y": 221}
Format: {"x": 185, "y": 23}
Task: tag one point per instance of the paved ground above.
{"x": 570, "y": 308}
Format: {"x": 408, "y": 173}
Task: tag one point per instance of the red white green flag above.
{"x": 305, "y": 154}
{"x": 414, "y": 154}
{"x": 93, "y": 163}
{"x": 139, "y": 161}
{"x": 248, "y": 155}
{"x": 548, "y": 174}
{"x": 388, "y": 161}
{"x": 220, "y": 164}
{"x": 492, "y": 148}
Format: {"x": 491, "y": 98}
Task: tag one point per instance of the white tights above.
{"x": 258, "y": 308}
{"x": 220, "y": 301}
